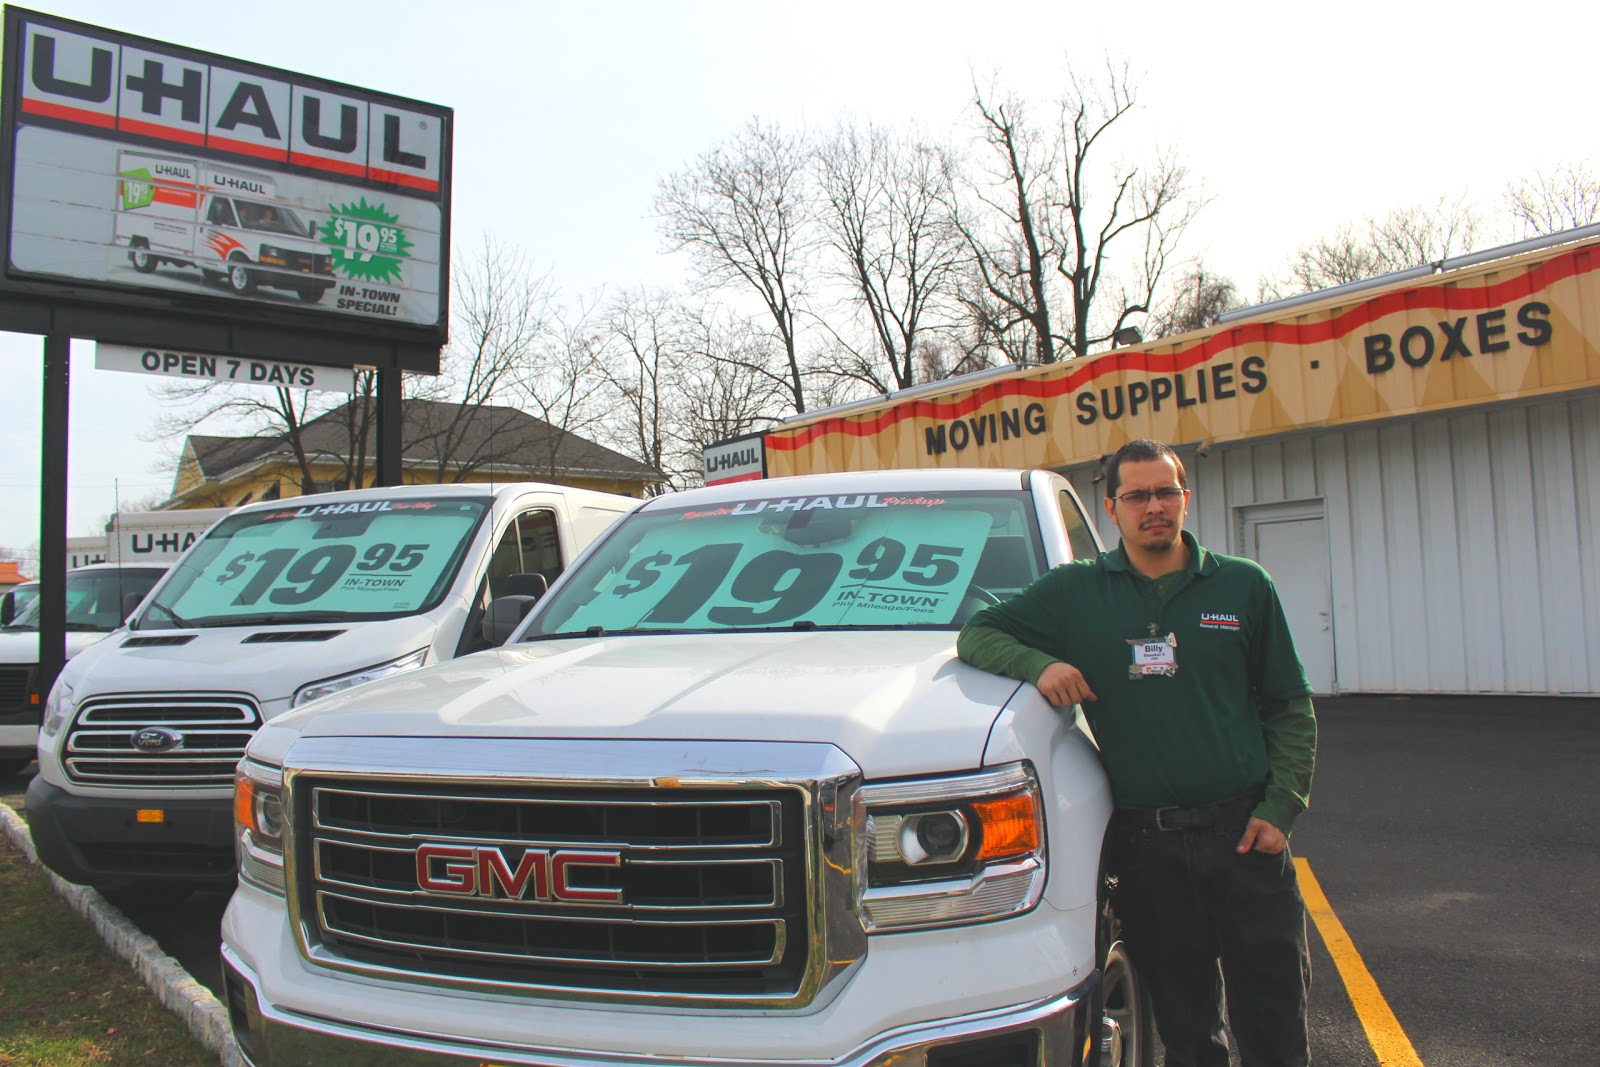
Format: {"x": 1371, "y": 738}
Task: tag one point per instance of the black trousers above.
{"x": 1198, "y": 919}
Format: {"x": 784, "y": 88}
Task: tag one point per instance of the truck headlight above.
{"x": 258, "y": 822}
{"x": 58, "y": 708}
{"x": 366, "y": 674}
{"x": 946, "y": 851}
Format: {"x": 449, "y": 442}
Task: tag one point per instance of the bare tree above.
{"x": 1406, "y": 237}
{"x": 648, "y": 355}
{"x": 501, "y": 322}
{"x": 1551, "y": 201}
{"x": 886, "y": 213}
{"x": 1071, "y": 210}
{"x": 723, "y": 392}
{"x": 743, "y": 213}
{"x": 1007, "y": 237}
{"x": 563, "y": 382}
{"x": 1197, "y": 297}
{"x": 276, "y": 414}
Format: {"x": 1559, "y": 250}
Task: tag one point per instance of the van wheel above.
{"x": 241, "y": 279}
{"x": 139, "y": 255}
{"x": 311, "y": 293}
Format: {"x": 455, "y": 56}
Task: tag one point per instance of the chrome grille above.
{"x": 711, "y": 885}
{"x": 214, "y": 729}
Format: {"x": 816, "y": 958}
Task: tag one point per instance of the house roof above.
{"x": 432, "y": 429}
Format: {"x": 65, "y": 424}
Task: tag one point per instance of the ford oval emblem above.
{"x": 156, "y": 739}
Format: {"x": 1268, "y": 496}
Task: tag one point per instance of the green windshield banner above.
{"x": 772, "y": 563}
{"x": 370, "y": 558}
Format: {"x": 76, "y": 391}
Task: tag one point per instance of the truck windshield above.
{"x": 94, "y": 598}
{"x": 373, "y": 558}
{"x": 871, "y": 561}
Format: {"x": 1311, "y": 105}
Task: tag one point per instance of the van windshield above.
{"x": 363, "y": 559}
{"x": 269, "y": 218}
{"x": 868, "y": 561}
{"x": 94, "y": 598}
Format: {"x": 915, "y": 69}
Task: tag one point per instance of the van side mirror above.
{"x": 505, "y": 614}
{"x": 130, "y": 604}
{"x": 8, "y": 608}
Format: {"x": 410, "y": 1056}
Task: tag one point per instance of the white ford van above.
{"x": 278, "y": 604}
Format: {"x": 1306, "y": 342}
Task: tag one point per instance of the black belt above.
{"x": 1228, "y": 812}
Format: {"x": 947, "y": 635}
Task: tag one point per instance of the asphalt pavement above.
{"x": 1457, "y": 840}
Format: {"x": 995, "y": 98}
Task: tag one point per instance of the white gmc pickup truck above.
{"x": 725, "y": 797}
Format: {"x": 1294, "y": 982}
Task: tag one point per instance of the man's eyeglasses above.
{"x": 1138, "y": 498}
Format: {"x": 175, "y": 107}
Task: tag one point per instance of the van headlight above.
{"x": 58, "y": 708}
{"x": 409, "y": 661}
{"x": 947, "y": 851}
{"x": 258, "y": 823}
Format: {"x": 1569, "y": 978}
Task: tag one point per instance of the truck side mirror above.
{"x": 130, "y": 604}
{"x": 8, "y": 609}
{"x": 505, "y": 614}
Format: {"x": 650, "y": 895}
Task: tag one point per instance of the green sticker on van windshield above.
{"x": 895, "y": 566}
{"x": 375, "y": 557}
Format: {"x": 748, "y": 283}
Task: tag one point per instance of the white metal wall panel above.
{"x": 1464, "y": 548}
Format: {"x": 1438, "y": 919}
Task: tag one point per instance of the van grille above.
{"x": 672, "y": 891}
{"x": 212, "y": 731}
{"x": 14, "y": 682}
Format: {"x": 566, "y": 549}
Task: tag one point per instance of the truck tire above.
{"x": 1127, "y": 1001}
{"x": 241, "y": 278}
{"x": 139, "y": 255}
{"x": 311, "y": 293}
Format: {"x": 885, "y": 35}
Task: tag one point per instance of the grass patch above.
{"x": 66, "y": 1000}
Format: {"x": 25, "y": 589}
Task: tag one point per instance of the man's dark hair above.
{"x": 1141, "y": 451}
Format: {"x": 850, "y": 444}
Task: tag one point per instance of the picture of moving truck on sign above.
{"x": 229, "y": 224}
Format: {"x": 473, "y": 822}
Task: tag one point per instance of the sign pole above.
{"x": 389, "y": 425}
{"x": 53, "y": 511}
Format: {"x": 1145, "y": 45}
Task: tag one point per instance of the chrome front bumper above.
{"x": 1047, "y": 1033}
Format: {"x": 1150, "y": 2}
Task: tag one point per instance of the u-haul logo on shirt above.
{"x": 1211, "y": 620}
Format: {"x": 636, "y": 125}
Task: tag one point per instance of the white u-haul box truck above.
{"x": 228, "y": 223}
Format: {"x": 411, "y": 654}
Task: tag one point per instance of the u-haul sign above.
{"x": 140, "y": 167}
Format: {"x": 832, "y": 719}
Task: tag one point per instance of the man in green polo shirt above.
{"x": 1184, "y": 666}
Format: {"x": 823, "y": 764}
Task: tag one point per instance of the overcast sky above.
{"x": 1297, "y": 117}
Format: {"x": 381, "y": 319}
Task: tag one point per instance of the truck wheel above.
{"x": 1127, "y": 1003}
{"x": 139, "y": 255}
{"x": 241, "y": 279}
{"x": 311, "y": 293}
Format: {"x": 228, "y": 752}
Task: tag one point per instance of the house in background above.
{"x": 440, "y": 442}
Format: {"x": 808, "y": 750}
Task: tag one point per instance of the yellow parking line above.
{"x": 1388, "y": 1041}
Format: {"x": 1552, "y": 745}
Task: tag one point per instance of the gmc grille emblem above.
{"x": 540, "y": 874}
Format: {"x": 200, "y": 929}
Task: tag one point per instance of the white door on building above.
{"x": 1291, "y": 542}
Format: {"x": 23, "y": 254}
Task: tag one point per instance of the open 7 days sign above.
{"x": 146, "y": 167}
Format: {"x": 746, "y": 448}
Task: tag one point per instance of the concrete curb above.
{"x": 192, "y": 1002}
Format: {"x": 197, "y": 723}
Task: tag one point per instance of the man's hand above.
{"x": 1063, "y": 684}
{"x": 1263, "y": 837}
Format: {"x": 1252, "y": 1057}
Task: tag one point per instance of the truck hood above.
{"x": 898, "y": 702}
{"x": 270, "y": 670}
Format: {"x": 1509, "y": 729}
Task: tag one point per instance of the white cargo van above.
{"x": 97, "y": 602}
{"x": 278, "y": 604}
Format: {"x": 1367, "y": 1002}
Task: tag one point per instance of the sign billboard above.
{"x": 234, "y": 369}
{"x": 155, "y": 178}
